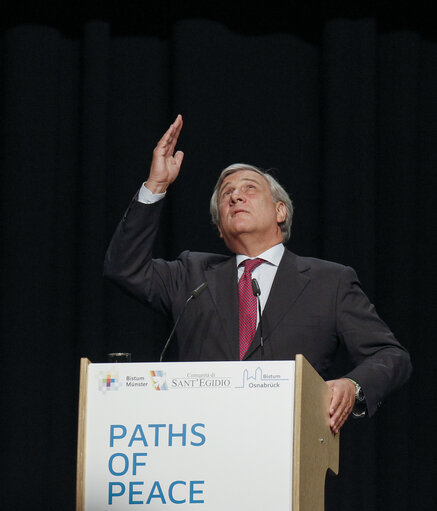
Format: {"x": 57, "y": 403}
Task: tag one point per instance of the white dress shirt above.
{"x": 147, "y": 197}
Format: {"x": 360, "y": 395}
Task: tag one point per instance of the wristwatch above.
{"x": 359, "y": 394}
{"x": 360, "y": 408}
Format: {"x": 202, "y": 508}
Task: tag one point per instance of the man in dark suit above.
{"x": 309, "y": 306}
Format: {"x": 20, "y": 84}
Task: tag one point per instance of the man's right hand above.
{"x": 166, "y": 165}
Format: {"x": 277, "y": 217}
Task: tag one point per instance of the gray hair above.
{"x": 278, "y": 195}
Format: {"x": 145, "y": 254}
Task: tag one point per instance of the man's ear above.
{"x": 220, "y": 231}
{"x": 281, "y": 212}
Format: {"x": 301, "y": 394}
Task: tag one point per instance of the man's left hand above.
{"x": 342, "y": 402}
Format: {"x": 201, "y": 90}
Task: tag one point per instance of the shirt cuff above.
{"x": 147, "y": 197}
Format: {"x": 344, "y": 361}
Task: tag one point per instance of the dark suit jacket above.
{"x": 313, "y": 306}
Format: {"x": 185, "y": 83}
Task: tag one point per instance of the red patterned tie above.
{"x": 247, "y": 305}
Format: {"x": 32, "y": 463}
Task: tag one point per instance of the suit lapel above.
{"x": 290, "y": 281}
{"x": 222, "y": 283}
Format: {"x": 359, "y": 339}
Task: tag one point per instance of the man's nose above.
{"x": 236, "y": 195}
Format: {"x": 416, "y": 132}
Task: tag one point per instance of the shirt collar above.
{"x": 273, "y": 255}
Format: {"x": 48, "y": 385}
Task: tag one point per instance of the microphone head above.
{"x": 255, "y": 288}
{"x": 199, "y": 289}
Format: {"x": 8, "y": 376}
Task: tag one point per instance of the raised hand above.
{"x": 165, "y": 163}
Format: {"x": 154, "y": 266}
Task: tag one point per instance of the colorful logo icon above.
{"x": 108, "y": 381}
{"x": 159, "y": 381}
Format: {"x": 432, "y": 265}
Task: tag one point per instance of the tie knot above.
{"x": 251, "y": 264}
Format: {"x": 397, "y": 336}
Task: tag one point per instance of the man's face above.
{"x": 246, "y": 207}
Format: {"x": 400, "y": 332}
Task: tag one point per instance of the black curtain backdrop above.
{"x": 342, "y": 104}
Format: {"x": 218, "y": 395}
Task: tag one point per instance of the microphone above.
{"x": 198, "y": 291}
{"x": 256, "y": 292}
{"x": 194, "y": 294}
{"x": 255, "y": 288}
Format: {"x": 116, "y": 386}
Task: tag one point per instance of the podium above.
{"x": 250, "y": 435}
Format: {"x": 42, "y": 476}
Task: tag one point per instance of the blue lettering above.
{"x": 132, "y": 492}
{"x": 156, "y": 426}
{"x": 160, "y": 495}
{"x": 136, "y": 463}
{"x": 170, "y": 492}
{"x": 112, "y": 493}
{"x": 141, "y": 438}
{"x": 183, "y": 435}
{"x": 196, "y": 433}
{"x": 193, "y": 492}
{"x": 111, "y": 461}
{"x": 113, "y": 436}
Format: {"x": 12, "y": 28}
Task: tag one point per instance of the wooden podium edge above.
{"x": 315, "y": 447}
{"x": 81, "y": 435}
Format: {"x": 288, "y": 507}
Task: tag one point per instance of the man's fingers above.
{"x": 340, "y": 415}
{"x": 334, "y": 399}
{"x": 167, "y": 143}
{"x": 164, "y": 141}
{"x": 338, "y": 419}
{"x": 334, "y": 408}
{"x": 336, "y": 425}
{"x": 179, "y": 156}
{"x": 342, "y": 402}
{"x": 174, "y": 135}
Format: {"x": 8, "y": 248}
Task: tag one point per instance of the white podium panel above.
{"x": 210, "y": 436}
